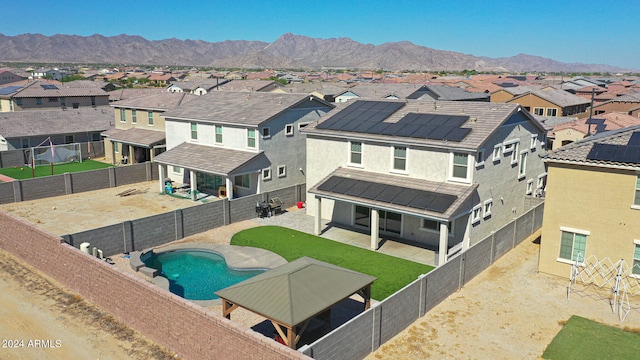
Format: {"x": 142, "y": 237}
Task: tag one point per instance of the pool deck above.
{"x": 236, "y": 257}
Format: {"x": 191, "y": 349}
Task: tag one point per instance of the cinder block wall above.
{"x": 183, "y": 327}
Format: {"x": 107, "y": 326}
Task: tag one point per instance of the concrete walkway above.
{"x": 297, "y": 219}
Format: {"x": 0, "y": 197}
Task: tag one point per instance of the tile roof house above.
{"x": 43, "y": 94}
{"x": 250, "y": 85}
{"x": 7, "y": 76}
{"x": 439, "y": 174}
{"x": 23, "y": 129}
{"x": 625, "y": 103}
{"x": 234, "y": 144}
{"x": 139, "y": 133}
{"x": 196, "y": 86}
{"x": 592, "y": 205}
{"x": 578, "y": 129}
{"x": 551, "y": 102}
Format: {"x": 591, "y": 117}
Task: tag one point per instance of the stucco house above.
{"x": 551, "y": 102}
{"x": 139, "y": 133}
{"x": 441, "y": 175}
{"x": 43, "y": 94}
{"x": 592, "y": 204}
{"x": 578, "y": 129}
{"x": 628, "y": 103}
{"x": 234, "y": 144}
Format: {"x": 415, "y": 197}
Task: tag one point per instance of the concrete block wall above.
{"x": 131, "y": 174}
{"x": 43, "y": 187}
{"x": 6, "y": 192}
{"x": 203, "y": 217}
{"x": 185, "y": 328}
{"x": 109, "y": 239}
{"x": 354, "y": 339}
{"x": 153, "y": 231}
{"x": 244, "y": 208}
{"x": 11, "y": 158}
{"x": 524, "y": 227}
{"x": 89, "y": 181}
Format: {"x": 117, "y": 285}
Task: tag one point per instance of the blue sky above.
{"x": 585, "y": 31}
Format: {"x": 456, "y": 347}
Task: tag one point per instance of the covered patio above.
{"x": 215, "y": 168}
{"x": 382, "y": 195}
{"x": 297, "y": 296}
{"x": 136, "y": 145}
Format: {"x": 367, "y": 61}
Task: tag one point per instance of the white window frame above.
{"x": 134, "y": 116}
{"x": 497, "y": 152}
{"x": 486, "y": 208}
{"x": 116, "y": 147}
{"x": 636, "y": 243}
{"x": 282, "y": 171}
{"x": 267, "y": 135}
{"x": 254, "y": 138}
{"x": 636, "y": 194}
{"x": 452, "y": 166}
{"x": 191, "y": 131}
{"x": 522, "y": 166}
{"x": 150, "y": 119}
{"x": 266, "y": 174}
{"x": 480, "y": 158}
{"x": 302, "y": 125}
{"x": 123, "y": 115}
{"x": 529, "y": 187}
{"x": 288, "y": 129}
{"x": 476, "y": 214}
{"x": 176, "y": 169}
{"x": 534, "y": 141}
{"x": 554, "y": 110}
{"x": 215, "y": 134}
{"x": 573, "y": 231}
{"x": 540, "y": 182}
{"x": 450, "y": 226}
{"x": 541, "y": 111}
{"x": 351, "y": 152}
{"x": 393, "y": 160}
{"x": 515, "y": 155}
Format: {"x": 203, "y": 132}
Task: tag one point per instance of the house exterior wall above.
{"x": 616, "y": 106}
{"x": 6, "y": 105}
{"x": 500, "y": 96}
{"x": 501, "y": 182}
{"x": 531, "y": 102}
{"x": 571, "y": 135}
{"x": 32, "y": 102}
{"x": 593, "y": 200}
{"x": 142, "y": 117}
{"x": 7, "y": 77}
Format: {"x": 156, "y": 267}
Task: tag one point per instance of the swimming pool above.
{"x": 197, "y": 274}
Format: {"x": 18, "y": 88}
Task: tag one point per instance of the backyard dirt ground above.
{"x": 510, "y": 311}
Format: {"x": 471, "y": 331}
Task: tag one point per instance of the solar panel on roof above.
{"x": 9, "y": 90}
{"x": 458, "y": 134}
{"x": 634, "y": 140}
{"x": 631, "y": 155}
{"x": 602, "y": 152}
{"x": 361, "y": 110}
{"x": 392, "y": 194}
{"x": 49, "y": 87}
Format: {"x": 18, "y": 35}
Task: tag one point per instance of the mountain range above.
{"x": 288, "y": 51}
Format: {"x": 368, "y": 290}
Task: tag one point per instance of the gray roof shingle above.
{"x": 55, "y": 122}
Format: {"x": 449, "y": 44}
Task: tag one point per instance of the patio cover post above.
{"x": 161, "y": 175}
{"x": 318, "y": 215}
{"x": 194, "y": 186}
{"x": 375, "y": 221}
{"x": 229, "y": 186}
{"x": 444, "y": 240}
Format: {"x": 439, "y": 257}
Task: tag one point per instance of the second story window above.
{"x": 150, "y": 117}
{"x": 134, "y": 117}
{"x": 266, "y": 133}
{"x": 460, "y": 166}
{"x": 552, "y": 112}
{"x": 218, "y": 130}
{"x": 522, "y": 168}
{"x": 356, "y": 153}
{"x": 251, "y": 138}
{"x": 636, "y": 200}
{"x": 399, "y": 158}
{"x": 123, "y": 115}
{"x": 194, "y": 131}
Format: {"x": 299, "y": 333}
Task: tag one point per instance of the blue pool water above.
{"x": 197, "y": 274}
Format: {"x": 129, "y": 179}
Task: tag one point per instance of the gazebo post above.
{"x": 366, "y": 296}
{"x": 227, "y": 308}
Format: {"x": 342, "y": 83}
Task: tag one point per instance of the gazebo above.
{"x": 292, "y": 295}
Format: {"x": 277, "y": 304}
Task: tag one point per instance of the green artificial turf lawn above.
{"x": 392, "y": 273}
{"x": 24, "y": 172}
{"x": 583, "y": 339}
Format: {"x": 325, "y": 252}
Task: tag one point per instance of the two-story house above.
{"x": 592, "y": 204}
{"x": 43, "y": 94}
{"x": 239, "y": 143}
{"x": 438, "y": 174}
{"x": 139, "y": 132}
{"x": 551, "y": 102}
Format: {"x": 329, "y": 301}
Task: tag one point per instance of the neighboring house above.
{"x": 384, "y": 91}
{"x": 131, "y": 93}
{"x": 161, "y": 79}
{"x": 508, "y": 93}
{"x": 577, "y": 129}
{"x": 551, "y": 102}
{"x": 24, "y": 129}
{"x": 449, "y": 93}
{"x": 43, "y": 94}
{"x": 244, "y": 143}
{"x": 442, "y": 175}
{"x": 592, "y": 204}
{"x": 250, "y": 85}
{"x": 139, "y": 133}
{"x": 626, "y": 104}
{"x": 197, "y": 86}
{"x": 7, "y": 76}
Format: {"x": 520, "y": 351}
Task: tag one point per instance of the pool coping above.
{"x": 236, "y": 257}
